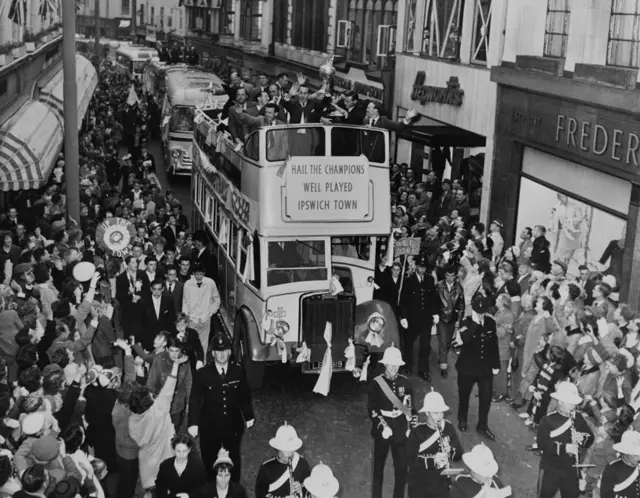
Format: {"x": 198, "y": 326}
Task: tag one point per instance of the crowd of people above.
{"x": 116, "y": 377}
{"x": 559, "y": 349}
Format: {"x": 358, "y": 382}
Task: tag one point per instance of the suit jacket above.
{"x": 390, "y": 290}
{"x": 238, "y": 127}
{"x": 479, "y": 354}
{"x": 209, "y": 263}
{"x": 452, "y": 303}
{"x": 192, "y": 481}
{"x": 153, "y": 324}
{"x": 356, "y": 115}
{"x": 385, "y": 122}
{"x": 122, "y": 287}
{"x": 524, "y": 283}
{"x": 206, "y": 407}
{"x": 419, "y": 301}
{"x": 175, "y": 295}
{"x": 255, "y": 93}
{"x": 170, "y": 236}
{"x": 146, "y": 283}
{"x": 312, "y": 111}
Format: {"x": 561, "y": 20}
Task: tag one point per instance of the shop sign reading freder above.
{"x": 331, "y": 189}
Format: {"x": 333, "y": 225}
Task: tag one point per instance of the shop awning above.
{"x": 87, "y": 80}
{"x": 443, "y": 136}
{"x": 30, "y": 141}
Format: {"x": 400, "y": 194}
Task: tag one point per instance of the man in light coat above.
{"x": 200, "y": 302}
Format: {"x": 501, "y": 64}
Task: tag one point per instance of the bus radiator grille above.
{"x": 316, "y": 312}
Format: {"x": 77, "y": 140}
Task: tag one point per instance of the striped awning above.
{"x": 30, "y": 141}
{"x": 52, "y": 92}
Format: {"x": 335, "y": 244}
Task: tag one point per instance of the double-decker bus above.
{"x": 184, "y": 89}
{"x": 130, "y": 59}
{"x": 298, "y": 208}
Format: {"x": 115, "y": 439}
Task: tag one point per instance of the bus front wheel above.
{"x": 253, "y": 370}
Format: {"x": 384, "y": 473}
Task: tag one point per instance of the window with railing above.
{"x": 624, "y": 34}
{"x": 126, "y": 7}
{"x": 227, "y": 17}
{"x": 441, "y": 33}
{"x": 481, "y": 28}
{"x": 280, "y": 15}
{"x": 410, "y": 26}
{"x": 152, "y": 15}
{"x": 367, "y": 35}
{"x": 309, "y": 27}
{"x": 161, "y": 20}
{"x": 556, "y": 31}
{"x": 251, "y": 25}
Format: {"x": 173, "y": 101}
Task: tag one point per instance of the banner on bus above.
{"x": 243, "y": 209}
{"x": 328, "y": 189}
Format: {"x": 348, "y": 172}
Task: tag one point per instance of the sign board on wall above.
{"x": 597, "y": 135}
{"x": 327, "y": 189}
{"x": 451, "y": 94}
{"x": 150, "y": 33}
{"x": 356, "y": 80}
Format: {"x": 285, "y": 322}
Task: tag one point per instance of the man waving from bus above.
{"x": 277, "y": 141}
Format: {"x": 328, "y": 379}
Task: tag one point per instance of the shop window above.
{"x": 624, "y": 37}
{"x": 441, "y": 34}
{"x": 556, "y": 31}
{"x": 227, "y": 17}
{"x": 309, "y": 24}
{"x": 251, "y": 25}
{"x": 481, "y": 28}
{"x": 280, "y": 16}
{"x": 126, "y": 8}
{"x": 366, "y": 35}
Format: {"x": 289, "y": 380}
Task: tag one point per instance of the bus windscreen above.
{"x": 182, "y": 120}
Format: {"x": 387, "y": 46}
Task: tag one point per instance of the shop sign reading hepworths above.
{"x": 327, "y": 189}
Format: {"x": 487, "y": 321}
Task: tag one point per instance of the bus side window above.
{"x": 251, "y": 148}
{"x": 253, "y": 277}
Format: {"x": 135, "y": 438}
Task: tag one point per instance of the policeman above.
{"x": 481, "y": 479}
{"x": 431, "y": 448}
{"x": 283, "y": 475}
{"x": 390, "y": 410}
{"x": 220, "y": 407}
{"x": 419, "y": 307}
{"x": 478, "y": 362}
{"x": 621, "y": 478}
{"x": 561, "y": 434}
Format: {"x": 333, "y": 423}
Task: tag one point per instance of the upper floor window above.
{"x": 441, "y": 33}
{"x": 556, "y": 31}
{"x": 126, "y": 7}
{"x": 251, "y": 25}
{"x": 367, "y": 35}
{"x": 624, "y": 36}
{"x": 161, "y": 17}
{"x": 280, "y": 15}
{"x": 227, "y": 17}
{"x": 309, "y": 26}
{"x": 481, "y": 28}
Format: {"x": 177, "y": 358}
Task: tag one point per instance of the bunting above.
{"x": 17, "y": 11}
{"x": 79, "y": 5}
{"x": 43, "y": 10}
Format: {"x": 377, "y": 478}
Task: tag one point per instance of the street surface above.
{"x": 335, "y": 429}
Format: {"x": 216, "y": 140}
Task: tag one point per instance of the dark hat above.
{"x": 197, "y": 267}
{"x": 66, "y": 488}
{"x": 221, "y": 342}
{"x": 421, "y": 261}
{"x": 6, "y": 469}
{"x": 33, "y": 478}
{"x": 21, "y": 269}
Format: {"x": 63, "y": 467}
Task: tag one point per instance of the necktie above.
{"x": 223, "y": 373}
{"x": 199, "y": 285}
{"x": 170, "y": 288}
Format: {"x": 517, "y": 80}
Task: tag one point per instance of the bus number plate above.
{"x": 316, "y": 366}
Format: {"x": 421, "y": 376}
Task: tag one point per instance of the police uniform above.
{"x": 419, "y": 302}
{"x": 557, "y": 471}
{"x": 464, "y": 486}
{"x": 619, "y": 480}
{"x": 424, "y": 477}
{"x": 273, "y": 479}
{"x": 220, "y": 406}
{"x": 383, "y": 412}
{"x": 479, "y": 356}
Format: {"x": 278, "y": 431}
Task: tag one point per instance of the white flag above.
{"x": 133, "y": 97}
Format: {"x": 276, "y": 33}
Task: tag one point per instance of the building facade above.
{"x": 31, "y": 89}
{"x": 445, "y": 49}
{"x": 292, "y": 36}
{"x": 567, "y": 142}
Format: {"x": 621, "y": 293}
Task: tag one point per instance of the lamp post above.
{"x": 96, "y": 48}
{"x": 70, "y": 96}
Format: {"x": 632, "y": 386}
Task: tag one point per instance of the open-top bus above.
{"x": 184, "y": 89}
{"x": 297, "y": 208}
{"x": 130, "y": 59}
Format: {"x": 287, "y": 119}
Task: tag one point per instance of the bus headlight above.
{"x": 376, "y": 324}
{"x": 176, "y": 153}
{"x": 282, "y": 328}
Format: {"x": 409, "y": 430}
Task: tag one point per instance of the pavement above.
{"x": 335, "y": 429}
